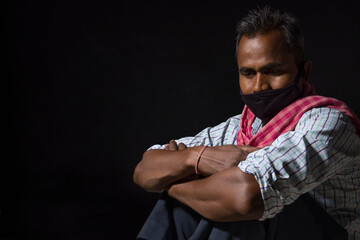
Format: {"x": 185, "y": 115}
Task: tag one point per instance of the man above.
{"x": 290, "y": 159}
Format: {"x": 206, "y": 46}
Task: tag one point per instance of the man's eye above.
{"x": 248, "y": 74}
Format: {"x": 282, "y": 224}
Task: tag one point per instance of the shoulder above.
{"x": 221, "y": 134}
{"x": 324, "y": 117}
{"x": 232, "y": 121}
{"x": 228, "y": 125}
{"x": 328, "y": 125}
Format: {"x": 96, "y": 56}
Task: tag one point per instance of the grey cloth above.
{"x": 303, "y": 219}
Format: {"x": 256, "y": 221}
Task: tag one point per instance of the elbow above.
{"x": 250, "y": 205}
{"x": 251, "y": 210}
{"x": 244, "y": 207}
{"x": 148, "y": 184}
{"x": 137, "y": 179}
{"x": 142, "y": 178}
{"x": 139, "y": 176}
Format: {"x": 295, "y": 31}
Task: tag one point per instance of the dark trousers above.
{"x": 303, "y": 219}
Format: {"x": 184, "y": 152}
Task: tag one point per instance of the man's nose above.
{"x": 261, "y": 83}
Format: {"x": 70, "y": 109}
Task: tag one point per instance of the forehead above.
{"x": 264, "y": 48}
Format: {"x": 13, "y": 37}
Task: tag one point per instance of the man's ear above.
{"x": 305, "y": 77}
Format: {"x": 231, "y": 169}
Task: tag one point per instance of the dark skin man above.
{"x": 226, "y": 193}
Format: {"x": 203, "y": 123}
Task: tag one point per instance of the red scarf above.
{"x": 287, "y": 119}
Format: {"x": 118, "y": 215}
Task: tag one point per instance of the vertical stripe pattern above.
{"x": 321, "y": 155}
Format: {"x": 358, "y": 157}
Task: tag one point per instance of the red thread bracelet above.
{"x": 198, "y": 160}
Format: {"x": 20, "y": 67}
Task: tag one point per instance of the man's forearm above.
{"x": 160, "y": 168}
{"x": 230, "y": 195}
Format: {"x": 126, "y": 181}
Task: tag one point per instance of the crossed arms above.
{"x": 225, "y": 194}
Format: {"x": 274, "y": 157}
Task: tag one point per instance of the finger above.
{"x": 166, "y": 147}
{"x": 172, "y": 145}
{"x": 182, "y": 146}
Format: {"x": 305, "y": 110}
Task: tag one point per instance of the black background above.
{"x": 88, "y": 86}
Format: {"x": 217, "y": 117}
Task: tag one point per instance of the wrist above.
{"x": 198, "y": 160}
{"x": 191, "y": 157}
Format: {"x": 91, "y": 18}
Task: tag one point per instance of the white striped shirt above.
{"x": 321, "y": 156}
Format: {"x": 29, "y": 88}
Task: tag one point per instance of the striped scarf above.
{"x": 287, "y": 119}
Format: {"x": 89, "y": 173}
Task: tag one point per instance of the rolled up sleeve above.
{"x": 323, "y": 142}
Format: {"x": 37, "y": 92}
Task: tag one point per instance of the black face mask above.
{"x": 266, "y": 104}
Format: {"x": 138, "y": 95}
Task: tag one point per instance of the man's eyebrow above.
{"x": 245, "y": 69}
{"x": 267, "y": 67}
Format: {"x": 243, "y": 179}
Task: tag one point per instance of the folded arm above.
{"x": 229, "y": 195}
{"x": 160, "y": 168}
{"x": 226, "y": 194}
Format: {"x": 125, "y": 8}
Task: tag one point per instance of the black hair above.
{"x": 264, "y": 20}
